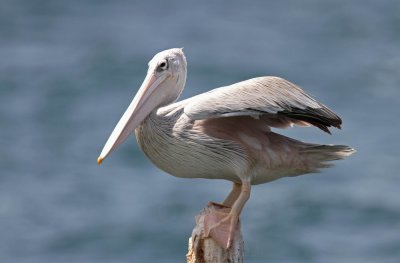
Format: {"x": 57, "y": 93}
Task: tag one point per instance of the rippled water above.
{"x": 69, "y": 69}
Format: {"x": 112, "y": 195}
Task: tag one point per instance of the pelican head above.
{"x": 163, "y": 84}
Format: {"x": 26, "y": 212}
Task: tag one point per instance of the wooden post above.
{"x": 205, "y": 250}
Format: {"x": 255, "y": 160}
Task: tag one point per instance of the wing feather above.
{"x": 273, "y": 99}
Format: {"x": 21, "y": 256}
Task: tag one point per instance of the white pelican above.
{"x": 224, "y": 133}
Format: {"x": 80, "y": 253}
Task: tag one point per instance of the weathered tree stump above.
{"x": 204, "y": 249}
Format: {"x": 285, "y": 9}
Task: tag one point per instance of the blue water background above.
{"x": 68, "y": 70}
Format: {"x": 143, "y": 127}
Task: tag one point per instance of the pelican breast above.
{"x": 172, "y": 142}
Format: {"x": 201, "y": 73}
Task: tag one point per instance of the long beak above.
{"x": 138, "y": 110}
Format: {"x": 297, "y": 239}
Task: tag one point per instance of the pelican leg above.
{"x": 222, "y": 223}
{"x": 230, "y": 199}
{"x": 233, "y": 195}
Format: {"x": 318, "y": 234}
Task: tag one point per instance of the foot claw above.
{"x": 220, "y": 224}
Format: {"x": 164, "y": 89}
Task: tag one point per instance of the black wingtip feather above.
{"x": 322, "y": 118}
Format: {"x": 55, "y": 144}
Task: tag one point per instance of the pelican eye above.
{"x": 163, "y": 65}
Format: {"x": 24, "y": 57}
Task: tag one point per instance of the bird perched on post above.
{"x": 224, "y": 133}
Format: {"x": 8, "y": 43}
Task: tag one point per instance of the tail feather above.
{"x": 319, "y": 155}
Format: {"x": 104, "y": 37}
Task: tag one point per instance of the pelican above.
{"x": 224, "y": 133}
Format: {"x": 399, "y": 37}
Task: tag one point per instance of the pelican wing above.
{"x": 277, "y": 101}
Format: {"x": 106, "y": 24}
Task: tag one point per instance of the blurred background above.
{"x": 69, "y": 69}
